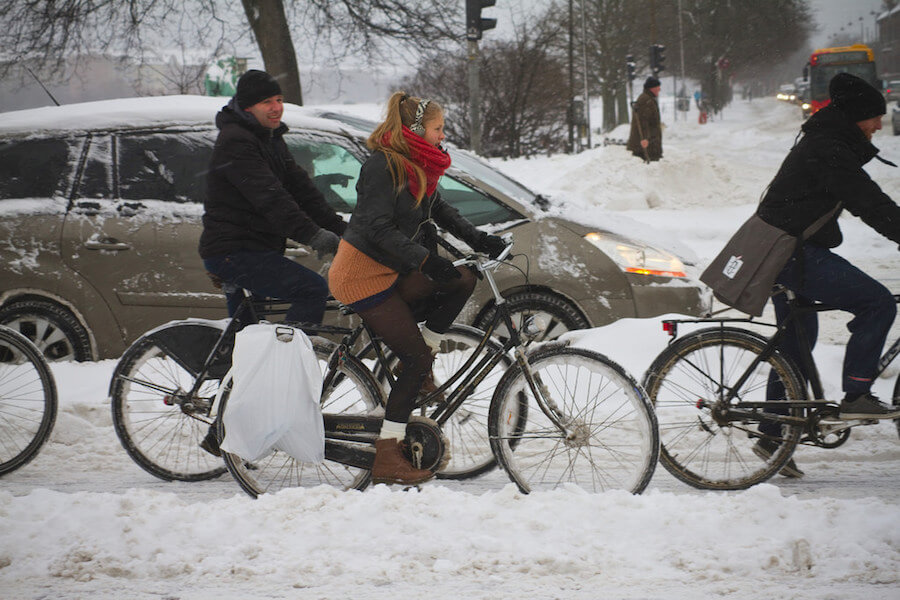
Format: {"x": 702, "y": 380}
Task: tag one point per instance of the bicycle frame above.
{"x": 485, "y": 358}
{"x": 730, "y": 410}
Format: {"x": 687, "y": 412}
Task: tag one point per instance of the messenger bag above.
{"x": 744, "y": 272}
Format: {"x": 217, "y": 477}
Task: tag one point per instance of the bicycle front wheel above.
{"x": 159, "y": 428}
{"x": 27, "y": 400}
{"x": 354, "y": 391}
{"x": 687, "y": 383}
{"x": 596, "y": 429}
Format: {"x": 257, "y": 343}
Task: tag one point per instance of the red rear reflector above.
{"x": 670, "y": 327}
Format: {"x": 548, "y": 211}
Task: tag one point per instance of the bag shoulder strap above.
{"x": 820, "y": 222}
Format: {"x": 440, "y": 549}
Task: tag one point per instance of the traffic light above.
{"x": 629, "y": 63}
{"x": 657, "y": 58}
{"x": 475, "y": 25}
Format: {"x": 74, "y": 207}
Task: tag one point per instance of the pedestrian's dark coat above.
{"x": 257, "y": 195}
{"x": 823, "y": 168}
{"x": 645, "y": 124}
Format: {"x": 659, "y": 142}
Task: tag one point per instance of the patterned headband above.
{"x": 417, "y": 126}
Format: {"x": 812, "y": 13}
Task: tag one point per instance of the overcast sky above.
{"x": 834, "y": 14}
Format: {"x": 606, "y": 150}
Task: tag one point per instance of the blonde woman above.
{"x": 387, "y": 267}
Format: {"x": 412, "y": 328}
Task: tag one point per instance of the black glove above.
{"x": 439, "y": 268}
{"x": 324, "y": 242}
{"x": 492, "y": 245}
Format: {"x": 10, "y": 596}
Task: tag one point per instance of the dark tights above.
{"x": 415, "y": 298}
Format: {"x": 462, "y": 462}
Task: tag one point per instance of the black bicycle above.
{"x": 164, "y": 396}
{"x": 28, "y": 400}
{"x": 557, "y": 415}
{"x": 712, "y": 390}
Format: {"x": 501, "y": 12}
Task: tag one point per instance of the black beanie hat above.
{"x": 255, "y": 86}
{"x": 856, "y": 98}
{"x": 651, "y": 82}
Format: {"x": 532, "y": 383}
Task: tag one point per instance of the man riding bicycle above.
{"x": 824, "y": 168}
{"x": 257, "y": 197}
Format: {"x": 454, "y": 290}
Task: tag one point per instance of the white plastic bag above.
{"x": 274, "y": 401}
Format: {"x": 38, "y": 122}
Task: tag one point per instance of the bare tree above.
{"x": 523, "y": 92}
{"x": 721, "y": 37}
{"x": 49, "y": 33}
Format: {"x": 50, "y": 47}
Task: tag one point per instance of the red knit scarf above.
{"x": 433, "y": 160}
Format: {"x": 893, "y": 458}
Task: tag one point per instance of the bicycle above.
{"x": 558, "y": 415}
{"x": 709, "y": 389}
{"x": 28, "y": 401}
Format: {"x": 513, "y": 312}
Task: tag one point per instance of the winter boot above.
{"x": 391, "y": 466}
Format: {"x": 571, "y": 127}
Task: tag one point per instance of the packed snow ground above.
{"x": 83, "y": 521}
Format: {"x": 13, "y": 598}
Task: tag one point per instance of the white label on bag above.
{"x": 732, "y": 267}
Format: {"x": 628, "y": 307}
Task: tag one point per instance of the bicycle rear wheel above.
{"x": 686, "y": 381}
{"x": 27, "y": 400}
{"x": 608, "y": 440}
{"x": 159, "y": 429}
{"x": 354, "y": 392}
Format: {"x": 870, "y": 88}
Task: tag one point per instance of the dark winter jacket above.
{"x": 257, "y": 196}
{"x": 823, "y": 168}
{"x": 645, "y": 124}
{"x": 389, "y": 228}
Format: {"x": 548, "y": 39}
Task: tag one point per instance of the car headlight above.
{"x": 636, "y": 258}
{"x": 805, "y": 106}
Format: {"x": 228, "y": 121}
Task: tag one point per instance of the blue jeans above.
{"x": 271, "y": 275}
{"x": 818, "y": 275}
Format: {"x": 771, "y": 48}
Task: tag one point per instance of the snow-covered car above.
{"x": 100, "y": 207}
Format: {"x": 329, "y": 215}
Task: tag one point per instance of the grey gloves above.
{"x": 324, "y": 242}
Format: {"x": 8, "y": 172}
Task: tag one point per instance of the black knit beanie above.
{"x": 856, "y": 98}
{"x": 651, "y": 82}
{"x": 255, "y": 86}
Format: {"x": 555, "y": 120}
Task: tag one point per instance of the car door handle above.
{"x": 106, "y": 244}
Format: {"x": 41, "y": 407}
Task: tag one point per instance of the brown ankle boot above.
{"x": 392, "y": 467}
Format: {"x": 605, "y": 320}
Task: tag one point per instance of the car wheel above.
{"x": 52, "y": 328}
{"x": 559, "y": 315}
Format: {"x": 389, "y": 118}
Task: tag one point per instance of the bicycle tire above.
{"x": 560, "y": 315}
{"x": 896, "y": 401}
{"x": 694, "y": 447}
{"x": 28, "y": 401}
{"x": 356, "y": 392}
{"x": 611, "y": 440}
{"x": 466, "y": 429}
{"x": 163, "y": 437}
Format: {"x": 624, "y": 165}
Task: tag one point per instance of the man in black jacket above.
{"x": 823, "y": 168}
{"x": 257, "y": 197}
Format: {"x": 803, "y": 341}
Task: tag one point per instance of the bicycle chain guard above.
{"x": 428, "y": 448}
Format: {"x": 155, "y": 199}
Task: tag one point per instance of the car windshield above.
{"x": 483, "y": 172}
{"x": 462, "y": 161}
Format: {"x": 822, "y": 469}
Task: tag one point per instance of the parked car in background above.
{"x": 100, "y": 207}
{"x": 892, "y": 90}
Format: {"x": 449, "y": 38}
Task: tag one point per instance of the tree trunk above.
{"x": 609, "y": 108}
{"x": 270, "y": 28}
{"x": 622, "y": 114}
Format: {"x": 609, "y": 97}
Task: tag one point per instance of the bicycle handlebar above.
{"x": 482, "y": 262}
